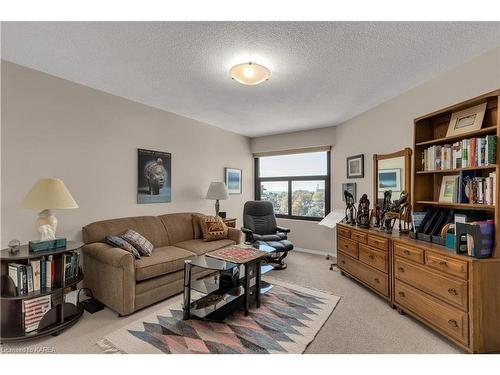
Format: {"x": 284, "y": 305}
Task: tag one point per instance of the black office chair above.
{"x": 260, "y": 229}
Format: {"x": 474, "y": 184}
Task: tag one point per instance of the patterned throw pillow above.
{"x": 122, "y": 244}
{"x": 138, "y": 241}
{"x": 213, "y": 228}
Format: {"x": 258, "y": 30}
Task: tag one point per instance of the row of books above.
{"x": 40, "y": 274}
{"x": 468, "y": 187}
{"x": 473, "y": 152}
{"x": 37, "y": 275}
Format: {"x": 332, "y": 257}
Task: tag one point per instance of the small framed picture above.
{"x": 449, "y": 189}
{"x": 233, "y": 180}
{"x": 351, "y": 188}
{"x": 389, "y": 179}
{"x": 356, "y": 166}
{"x": 467, "y": 120}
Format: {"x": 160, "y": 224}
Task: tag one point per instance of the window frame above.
{"x": 289, "y": 179}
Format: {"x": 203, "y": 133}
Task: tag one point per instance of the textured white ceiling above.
{"x": 323, "y": 73}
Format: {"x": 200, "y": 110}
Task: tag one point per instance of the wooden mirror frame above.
{"x": 406, "y": 153}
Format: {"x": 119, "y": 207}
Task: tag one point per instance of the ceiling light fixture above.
{"x": 250, "y": 73}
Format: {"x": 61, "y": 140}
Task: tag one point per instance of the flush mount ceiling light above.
{"x": 250, "y": 73}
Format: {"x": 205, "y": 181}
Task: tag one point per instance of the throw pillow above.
{"x": 139, "y": 242}
{"x": 213, "y": 228}
{"x": 122, "y": 244}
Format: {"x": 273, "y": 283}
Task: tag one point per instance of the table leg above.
{"x": 246, "y": 298}
{"x": 187, "y": 290}
{"x": 257, "y": 283}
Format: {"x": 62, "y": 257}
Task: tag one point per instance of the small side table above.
{"x": 230, "y": 222}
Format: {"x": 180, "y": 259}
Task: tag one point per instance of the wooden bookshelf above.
{"x": 431, "y": 130}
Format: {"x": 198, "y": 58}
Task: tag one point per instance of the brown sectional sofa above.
{"x": 125, "y": 284}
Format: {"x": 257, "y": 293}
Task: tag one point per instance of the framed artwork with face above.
{"x": 356, "y": 166}
{"x": 154, "y": 180}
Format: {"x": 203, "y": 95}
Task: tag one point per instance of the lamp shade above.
{"x": 217, "y": 190}
{"x": 49, "y": 193}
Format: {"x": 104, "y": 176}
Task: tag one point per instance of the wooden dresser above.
{"x": 455, "y": 295}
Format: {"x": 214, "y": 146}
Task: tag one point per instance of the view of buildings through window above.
{"x": 296, "y": 184}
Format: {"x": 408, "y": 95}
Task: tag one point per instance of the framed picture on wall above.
{"x": 233, "y": 180}
{"x": 356, "y": 166}
{"x": 351, "y": 188}
{"x": 389, "y": 179}
{"x": 154, "y": 180}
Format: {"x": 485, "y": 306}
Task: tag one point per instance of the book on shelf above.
{"x": 71, "y": 265}
{"x": 34, "y": 309}
{"x": 467, "y": 153}
{"x": 37, "y": 277}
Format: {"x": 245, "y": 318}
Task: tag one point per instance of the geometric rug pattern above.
{"x": 286, "y": 322}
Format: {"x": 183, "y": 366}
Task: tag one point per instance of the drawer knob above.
{"x": 443, "y": 263}
{"x": 452, "y": 291}
{"x": 402, "y": 294}
{"x": 371, "y": 256}
{"x": 406, "y": 252}
{"x": 453, "y": 322}
{"x": 377, "y": 280}
{"x": 342, "y": 261}
{"x": 401, "y": 269}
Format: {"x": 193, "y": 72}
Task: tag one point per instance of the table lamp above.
{"x": 217, "y": 191}
{"x": 46, "y": 195}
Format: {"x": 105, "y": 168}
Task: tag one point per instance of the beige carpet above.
{"x": 361, "y": 322}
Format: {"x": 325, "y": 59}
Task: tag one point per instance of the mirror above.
{"x": 391, "y": 172}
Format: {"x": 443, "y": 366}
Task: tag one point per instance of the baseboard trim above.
{"x": 315, "y": 252}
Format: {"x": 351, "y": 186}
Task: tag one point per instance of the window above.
{"x": 298, "y": 185}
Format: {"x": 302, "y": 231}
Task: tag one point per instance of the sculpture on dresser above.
{"x": 403, "y": 206}
{"x": 376, "y": 215}
{"x": 388, "y": 217}
{"x": 350, "y": 209}
{"x": 363, "y": 216}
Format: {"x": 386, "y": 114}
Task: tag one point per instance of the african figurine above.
{"x": 376, "y": 215}
{"x": 363, "y": 216}
{"x": 350, "y": 210}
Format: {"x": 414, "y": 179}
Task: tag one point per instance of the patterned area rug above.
{"x": 287, "y": 321}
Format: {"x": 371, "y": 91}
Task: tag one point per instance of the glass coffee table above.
{"x": 231, "y": 286}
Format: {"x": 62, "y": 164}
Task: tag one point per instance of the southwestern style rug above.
{"x": 289, "y": 318}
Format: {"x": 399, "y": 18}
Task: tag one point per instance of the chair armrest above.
{"x": 113, "y": 256}
{"x": 235, "y": 234}
{"x": 246, "y": 230}
{"x": 282, "y": 229}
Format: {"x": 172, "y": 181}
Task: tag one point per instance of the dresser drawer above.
{"x": 448, "y": 290}
{"x": 342, "y": 231}
{"x": 445, "y": 264}
{"x": 358, "y": 236}
{"x": 451, "y": 321}
{"x": 378, "y": 242}
{"x": 375, "y": 258}
{"x": 348, "y": 246}
{"x": 373, "y": 278}
{"x": 408, "y": 252}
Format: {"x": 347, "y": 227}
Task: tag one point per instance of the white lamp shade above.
{"x": 49, "y": 193}
{"x": 217, "y": 190}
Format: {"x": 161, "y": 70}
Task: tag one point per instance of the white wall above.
{"x": 384, "y": 129}
{"x": 55, "y": 128}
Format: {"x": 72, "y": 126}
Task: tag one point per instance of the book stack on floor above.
{"x": 467, "y": 153}
{"x": 36, "y": 276}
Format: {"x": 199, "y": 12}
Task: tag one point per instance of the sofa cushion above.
{"x": 179, "y": 226}
{"x": 213, "y": 228}
{"x": 200, "y": 247}
{"x": 150, "y": 227}
{"x": 138, "y": 241}
{"x": 162, "y": 261}
{"x": 122, "y": 244}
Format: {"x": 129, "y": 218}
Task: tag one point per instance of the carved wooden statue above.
{"x": 363, "y": 217}
{"x": 350, "y": 210}
{"x": 388, "y": 217}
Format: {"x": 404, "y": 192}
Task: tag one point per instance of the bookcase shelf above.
{"x": 443, "y": 140}
{"x": 458, "y": 206}
{"x": 60, "y": 316}
{"x": 456, "y": 170}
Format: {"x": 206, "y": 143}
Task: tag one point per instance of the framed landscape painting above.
{"x": 389, "y": 179}
{"x": 356, "y": 166}
{"x": 233, "y": 180}
{"x": 154, "y": 176}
